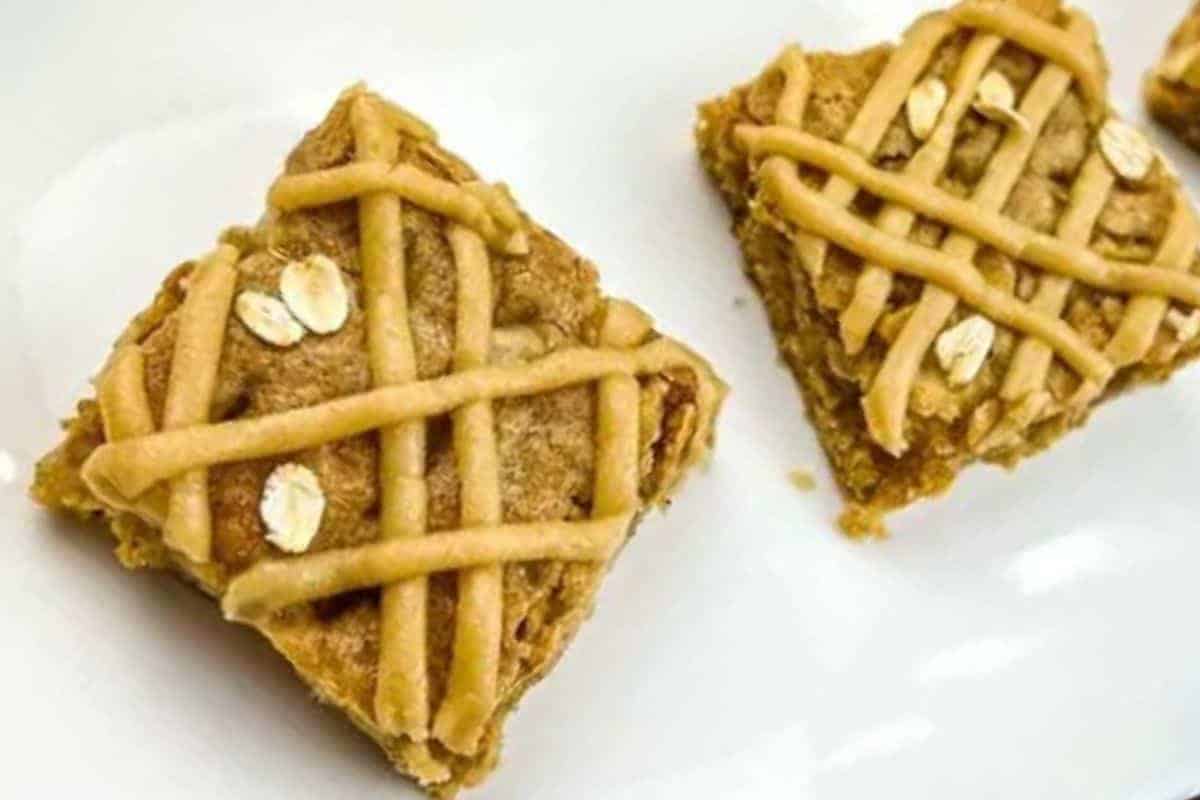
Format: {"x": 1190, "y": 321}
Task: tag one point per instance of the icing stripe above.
{"x": 881, "y": 105}
{"x": 1056, "y": 254}
{"x": 126, "y": 469}
{"x": 617, "y": 415}
{"x": 1044, "y": 39}
{"x": 1145, "y": 312}
{"x": 945, "y": 268}
{"x": 479, "y": 616}
{"x": 271, "y": 585}
{"x": 401, "y": 686}
{"x": 121, "y": 393}
{"x": 874, "y": 285}
{"x": 199, "y": 338}
{"x": 797, "y": 83}
{"x": 328, "y": 186}
{"x": 886, "y": 403}
{"x": 125, "y": 414}
{"x": 1031, "y": 361}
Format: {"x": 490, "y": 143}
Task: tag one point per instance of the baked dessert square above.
{"x": 960, "y": 249}
{"x": 1172, "y": 87}
{"x": 396, "y": 428}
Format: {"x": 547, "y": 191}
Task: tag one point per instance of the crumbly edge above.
{"x": 806, "y": 331}
{"x": 1176, "y": 105}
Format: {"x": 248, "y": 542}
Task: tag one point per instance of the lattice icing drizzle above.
{"x": 949, "y": 274}
{"x": 151, "y": 472}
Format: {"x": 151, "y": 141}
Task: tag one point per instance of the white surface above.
{"x": 1028, "y": 637}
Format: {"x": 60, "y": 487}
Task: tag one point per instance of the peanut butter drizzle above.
{"x": 882, "y": 103}
{"x": 1145, "y": 312}
{"x": 950, "y": 275}
{"x": 478, "y": 619}
{"x": 1044, "y": 39}
{"x": 129, "y": 470}
{"x": 198, "y": 342}
{"x": 402, "y": 686}
{"x": 797, "y": 84}
{"x": 269, "y": 586}
{"x": 1031, "y": 362}
{"x": 125, "y": 413}
{"x": 1061, "y": 255}
{"x": 874, "y": 284}
{"x": 328, "y": 186}
{"x": 886, "y": 403}
{"x": 939, "y": 268}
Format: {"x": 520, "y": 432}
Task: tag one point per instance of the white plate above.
{"x": 1027, "y": 637}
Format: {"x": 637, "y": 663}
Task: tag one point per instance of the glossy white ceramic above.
{"x": 1028, "y": 637}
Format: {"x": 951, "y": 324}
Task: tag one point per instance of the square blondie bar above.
{"x": 397, "y": 429}
{"x": 961, "y": 250}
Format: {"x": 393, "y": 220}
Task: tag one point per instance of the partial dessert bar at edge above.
{"x": 1172, "y": 86}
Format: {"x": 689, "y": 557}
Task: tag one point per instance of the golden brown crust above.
{"x": 1171, "y": 88}
{"x": 864, "y": 249}
{"x": 541, "y": 301}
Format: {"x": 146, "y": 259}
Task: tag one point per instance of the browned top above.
{"x": 944, "y": 423}
{"x": 545, "y": 443}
